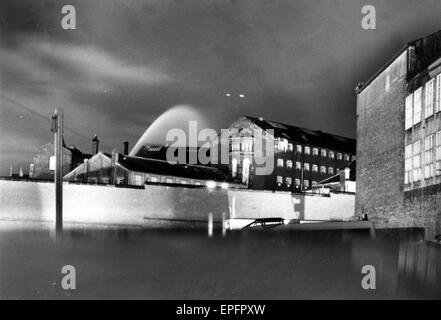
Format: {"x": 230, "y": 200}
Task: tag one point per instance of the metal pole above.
{"x": 58, "y": 176}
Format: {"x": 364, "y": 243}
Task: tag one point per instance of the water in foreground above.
{"x": 188, "y": 265}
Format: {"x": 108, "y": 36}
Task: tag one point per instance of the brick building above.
{"x": 136, "y": 171}
{"x": 301, "y": 157}
{"x": 399, "y": 139}
{"x": 72, "y": 157}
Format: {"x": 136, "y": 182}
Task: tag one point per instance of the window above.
{"x": 428, "y": 101}
{"x": 428, "y": 157}
{"x": 298, "y": 165}
{"x": 408, "y": 164}
{"x": 315, "y": 152}
{"x": 288, "y": 181}
{"x": 153, "y": 179}
{"x": 280, "y": 163}
{"x": 184, "y": 182}
{"x": 331, "y": 154}
{"x": 314, "y": 183}
{"x": 438, "y": 94}
{"x": 297, "y": 182}
{"x": 339, "y": 156}
{"x": 314, "y": 168}
{"x": 347, "y": 157}
{"x": 289, "y": 164}
{"x": 322, "y": 169}
{"x": 331, "y": 170}
{"x": 279, "y": 180}
{"x": 290, "y": 147}
{"x": 234, "y": 167}
{"x": 306, "y": 166}
{"x": 307, "y": 150}
{"x": 138, "y": 180}
{"x": 169, "y": 180}
{"x": 409, "y": 112}
{"x": 299, "y": 148}
{"x": 416, "y": 162}
{"x": 417, "y": 106}
{"x": 438, "y": 153}
{"x": 306, "y": 183}
{"x": 323, "y": 153}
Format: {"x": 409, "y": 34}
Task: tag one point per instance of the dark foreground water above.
{"x": 189, "y": 265}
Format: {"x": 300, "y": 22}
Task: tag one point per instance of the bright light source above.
{"x": 224, "y": 185}
{"x": 228, "y": 94}
{"x": 286, "y": 221}
{"x": 211, "y": 184}
{"x": 242, "y": 96}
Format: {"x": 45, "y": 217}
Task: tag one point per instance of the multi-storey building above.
{"x": 301, "y": 157}
{"x": 399, "y": 139}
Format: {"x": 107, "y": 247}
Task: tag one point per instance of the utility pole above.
{"x": 57, "y": 130}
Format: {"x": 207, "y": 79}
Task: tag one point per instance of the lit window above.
{"x": 347, "y": 157}
{"x": 438, "y": 94}
{"x": 234, "y": 167}
{"x": 297, "y": 182}
{"x": 314, "y": 168}
{"x": 322, "y": 169}
{"x": 331, "y": 170}
{"x": 408, "y": 164}
{"x": 314, "y": 183}
{"x": 298, "y": 165}
{"x": 299, "y": 148}
{"x": 416, "y": 162}
{"x": 417, "y": 106}
{"x": 153, "y": 179}
{"x": 279, "y": 180}
{"x": 409, "y": 112}
{"x": 306, "y": 183}
{"x": 331, "y": 154}
{"x": 138, "y": 180}
{"x": 289, "y": 164}
{"x": 438, "y": 153}
{"x": 290, "y": 147}
{"x": 306, "y": 166}
{"x": 315, "y": 152}
{"x": 428, "y": 101}
{"x": 288, "y": 181}
{"x": 169, "y": 180}
{"x": 280, "y": 163}
{"x": 339, "y": 156}
{"x": 323, "y": 153}
{"x": 428, "y": 157}
{"x": 307, "y": 150}
{"x": 184, "y": 182}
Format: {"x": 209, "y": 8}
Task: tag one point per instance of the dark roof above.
{"x": 336, "y": 178}
{"x": 165, "y": 168}
{"x": 306, "y": 136}
{"x": 427, "y": 50}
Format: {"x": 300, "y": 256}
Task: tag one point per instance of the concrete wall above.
{"x": 380, "y": 146}
{"x": 89, "y": 204}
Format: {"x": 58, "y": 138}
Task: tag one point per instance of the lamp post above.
{"x": 57, "y": 130}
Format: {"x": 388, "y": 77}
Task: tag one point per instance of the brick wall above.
{"x": 41, "y": 161}
{"x": 380, "y": 147}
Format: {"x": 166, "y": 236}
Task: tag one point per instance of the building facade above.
{"x": 301, "y": 157}
{"x": 399, "y": 140}
{"x": 121, "y": 169}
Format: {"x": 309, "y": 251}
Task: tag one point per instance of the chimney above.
{"x": 126, "y": 148}
{"x": 95, "y": 145}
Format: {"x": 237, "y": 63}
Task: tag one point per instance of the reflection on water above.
{"x": 188, "y": 265}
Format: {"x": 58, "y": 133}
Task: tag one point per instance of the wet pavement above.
{"x": 134, "y": 264}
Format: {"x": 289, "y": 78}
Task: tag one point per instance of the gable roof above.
{"x": 306, "y": 136}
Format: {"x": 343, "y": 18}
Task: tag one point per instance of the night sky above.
{"x": 130, "y": 61}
